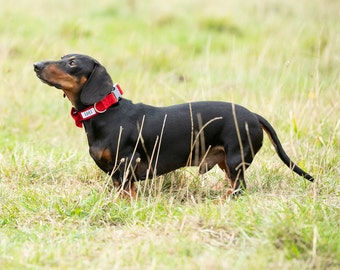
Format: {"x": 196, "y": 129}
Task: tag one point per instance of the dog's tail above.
{"x": 279, "y": 149}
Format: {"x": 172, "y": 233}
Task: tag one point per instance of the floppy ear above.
{"x": 98, "y": 85}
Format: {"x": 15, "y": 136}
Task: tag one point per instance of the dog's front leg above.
{"x": 124, "y": 179}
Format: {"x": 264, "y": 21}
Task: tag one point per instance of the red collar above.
{"x": 98, "y": 107}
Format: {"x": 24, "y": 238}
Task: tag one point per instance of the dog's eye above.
{"x": 72, "y": 63}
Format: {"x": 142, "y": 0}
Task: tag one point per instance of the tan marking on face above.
{"x": 71, "y": 85}
{"x": 73, "y": 95}
{"x": 54, "y": 75}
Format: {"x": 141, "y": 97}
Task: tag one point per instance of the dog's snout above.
{"x": 38, "y": 66}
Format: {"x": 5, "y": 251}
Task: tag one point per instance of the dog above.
{"x": 133, "y": 142}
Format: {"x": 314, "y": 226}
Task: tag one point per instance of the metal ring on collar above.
{"x": 95, "y": 108}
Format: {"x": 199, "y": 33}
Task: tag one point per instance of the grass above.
{"x": 281, "y": 60}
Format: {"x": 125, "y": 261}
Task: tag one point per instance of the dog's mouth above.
{"x": 56, "y": 85}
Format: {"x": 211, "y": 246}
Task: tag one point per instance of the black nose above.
{"x": 38, "y": 66}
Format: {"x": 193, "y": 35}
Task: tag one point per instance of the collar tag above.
{"x": 88, "y": 113}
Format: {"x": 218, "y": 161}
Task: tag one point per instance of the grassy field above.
{"x": 280, "y": 59}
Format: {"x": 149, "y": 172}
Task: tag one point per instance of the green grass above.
{"x": 281, "y": 60}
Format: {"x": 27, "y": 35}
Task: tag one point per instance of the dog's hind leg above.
{"x": 237, "y": 185}
{"x": 234, "y": 178}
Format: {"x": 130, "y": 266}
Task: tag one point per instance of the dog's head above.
{"x": 83, "y": 79}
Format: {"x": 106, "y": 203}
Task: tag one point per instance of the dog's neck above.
{"x": 74, "y": 99}
{"x": 88, "y": 112}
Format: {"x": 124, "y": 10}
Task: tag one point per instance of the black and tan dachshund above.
{"x": 137, "y": 141}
